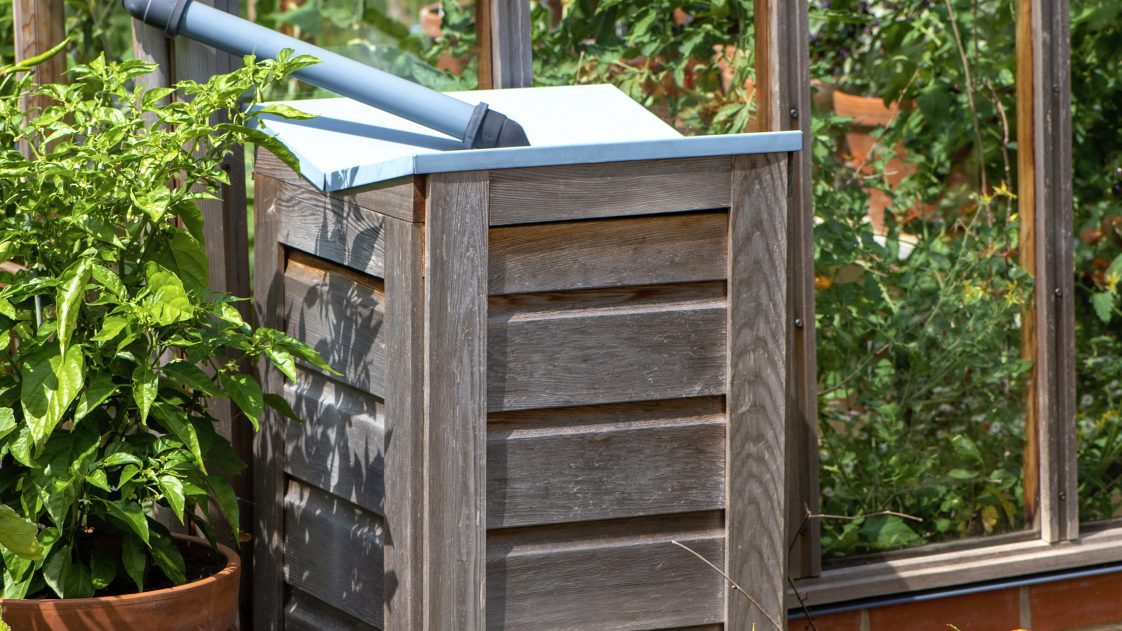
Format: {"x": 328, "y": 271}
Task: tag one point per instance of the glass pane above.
{"x": 919, "y": 291}
{"x": 1097, "y": 184}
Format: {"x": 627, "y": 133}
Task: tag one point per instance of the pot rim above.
{"x": 233, "y": 564}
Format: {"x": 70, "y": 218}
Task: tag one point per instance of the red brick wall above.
{"x": 1070, "y": 605}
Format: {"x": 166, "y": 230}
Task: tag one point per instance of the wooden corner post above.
{"x": 503, "y": 34}
{"x": 756, "y": 381}
{"x": 455, "y": 391}
{"x": 1044, "y": 169}
{"x": 783, "y": 103}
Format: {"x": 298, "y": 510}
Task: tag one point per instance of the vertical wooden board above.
{"x": 38, "y": 26}
{"x": 405, "y": 418}
{"x": 503, "y": 29}
{"x": 456, "y": 405}
{"x": 267, "y": 587}
{"x": 756, "y": 461}
{"x": 339, "y": 446}
{"x": 655, "y": 250}
{"x": 333, "y": 551}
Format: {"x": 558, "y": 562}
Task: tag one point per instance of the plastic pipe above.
{"x": 477, "y": 126}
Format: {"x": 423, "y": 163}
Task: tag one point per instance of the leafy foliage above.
{"x": 110, "y": 341}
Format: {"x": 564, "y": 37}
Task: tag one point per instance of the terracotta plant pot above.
{"x": 432, "y": 25}
{"x": 209, "y": 604}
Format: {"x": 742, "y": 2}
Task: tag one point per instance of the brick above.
{"x": 1084, "y": 602}
{"x": 988, "y": 611}
{"x": 850, "y": 621}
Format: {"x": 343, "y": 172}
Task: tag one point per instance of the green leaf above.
{"x": 134, "y": 560}
{"x": 51, "y": 381}
{"x": 227, "y": 502}
{"x": 190, "y": 260}
{"x": 19, "y": 535}
{"x": 111, "y": 327}
{"x": 281, "y": 406}
{"x": 68, "y": 299}
{"x": 283, "y": 111}
{"x": 962, "y": 474}
{"x": 165, "y": 299}
{"x": 145, "y": 387}
{"x": 172, "y": 489}
{"x": 168, "y": 558}
{"x": 1103, "y": 302}
{"x": 130, "y": 515}
{"x": 98, "y": 390}
{"x": 98, "y": 478}
{"x": 110, "y": 281}
{"x": 7, "y": 421}
{"x": 246, "y": 393}
{"x": 282, "y": 359}
{"x": 103, "y": 567}
{"x": 118, "y": 459}
{"x": 175, "y": 421}
{"x": 190, "y": 375}
{"x": 67, "y": 578}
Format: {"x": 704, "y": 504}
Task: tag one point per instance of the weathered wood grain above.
{"x": 339, "y": 446}
{"x": 605, "y": 462}
{"x": 618, "y": 189}
{"x": 402, "y": 198}
{"x": 503, "y": 30}
{"x": 333, "y": 551}
{"x": 456, "y": 388}
{"x": 340, "y": 313}
{"x": 622, "y": 576}
{"x": 268, "y": 447}
{"x": 38, "y": 26}
{"x": 338, "y": 231}
{"x": 628, "y": 353}
{"x": 303, "y": 612}
{"x": 608, "y": 253}
{"x": 405, "y": 425}
{"x": 757, "y": 542}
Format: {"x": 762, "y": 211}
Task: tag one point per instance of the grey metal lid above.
{"x": 351, "y": 145}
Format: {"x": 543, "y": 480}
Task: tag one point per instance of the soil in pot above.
{"x": 209, "y": 603}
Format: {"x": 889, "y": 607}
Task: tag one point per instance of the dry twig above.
{"x": 731, "y": 582}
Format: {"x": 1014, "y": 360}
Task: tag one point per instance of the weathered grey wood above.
{"x": 38, "y": 26}
{"x": 304, "y": 612}
{"x": 588, "y": 191}
{"x": 339, "y": 446}
{"x": 608, "y": 253}
{"x": 627, "y": 353}
{"x": 268, "y": 448}
{"x": 1045, "y": 204}
{"x": 340, "y": 313}
{"x": 757, "y": 542}
{"x": 503, "y": 36}
{"x": 405, "y": 429}
{"x": 622, "y": 576}
{"x": 556, "y": 302}
{"x": 335, "y": 230}
{"x": 456, "y": 410}
{"x": 402, "y": 198}
{"x": 333, "y": 551}
{"x": 606, "y": 462}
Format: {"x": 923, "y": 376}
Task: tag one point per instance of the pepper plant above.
{"x": 111, "y": 343}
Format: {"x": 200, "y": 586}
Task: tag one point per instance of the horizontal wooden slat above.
{"x": 608, "y": 253}
{"x": 335, "y": 230}
{"x": 630, "y": 579}
{"x": 303, "y": 612}
{"x": 589, "y": 356}
{"x": 402, "y": 198}
{"x": 333, "y": 551}
{"x": 340, "y": 445}
{"x": 605, "y": 462}
{"x": 340, "y": 314}
{"x": 587, "y": 191}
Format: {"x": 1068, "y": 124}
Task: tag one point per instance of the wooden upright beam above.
{"x": 503, "y": 30}
{"x": 1044, "y": 170}
{"x": 783, "y": 103}
{"x": 39, "y": 26}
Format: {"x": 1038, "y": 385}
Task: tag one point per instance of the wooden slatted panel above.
{"x": 588, "y": 191}
{"x": 623, "y": 576}
{"x": 604, "y": 462}
{"x": 503, "y": 29}
{"x": 333, "y": 551}
{"x": 338, "y": 231}
{"x": 571, "y": 357}
{"x": 303, "y": 612}
{"x": 402, "y": 198}
{"x": 608, "y": 253}
{"x": 339, "y": 446}
{"x": 339, "y": 313}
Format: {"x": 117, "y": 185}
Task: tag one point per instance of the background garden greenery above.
{"x": 921, "y": 379}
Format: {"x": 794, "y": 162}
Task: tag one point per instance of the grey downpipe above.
{"x": 477, "y": 126}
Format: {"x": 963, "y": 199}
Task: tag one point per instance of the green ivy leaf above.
{"x": 51, "y": 381}
{"x": 19, "y": 535}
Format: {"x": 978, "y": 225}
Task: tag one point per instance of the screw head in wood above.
{"x": 1058, "y": 292}
{"x": 798, "y": 323}
{"x": 794, "y": 112}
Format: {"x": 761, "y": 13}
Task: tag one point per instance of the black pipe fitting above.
{"x": 166, "y": 14}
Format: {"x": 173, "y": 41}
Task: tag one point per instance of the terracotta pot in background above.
{"x": 209, "y": 604}
{"x": 432, "y": 21}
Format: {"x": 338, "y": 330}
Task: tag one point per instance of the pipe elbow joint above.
{"x": 165, "y": 14}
